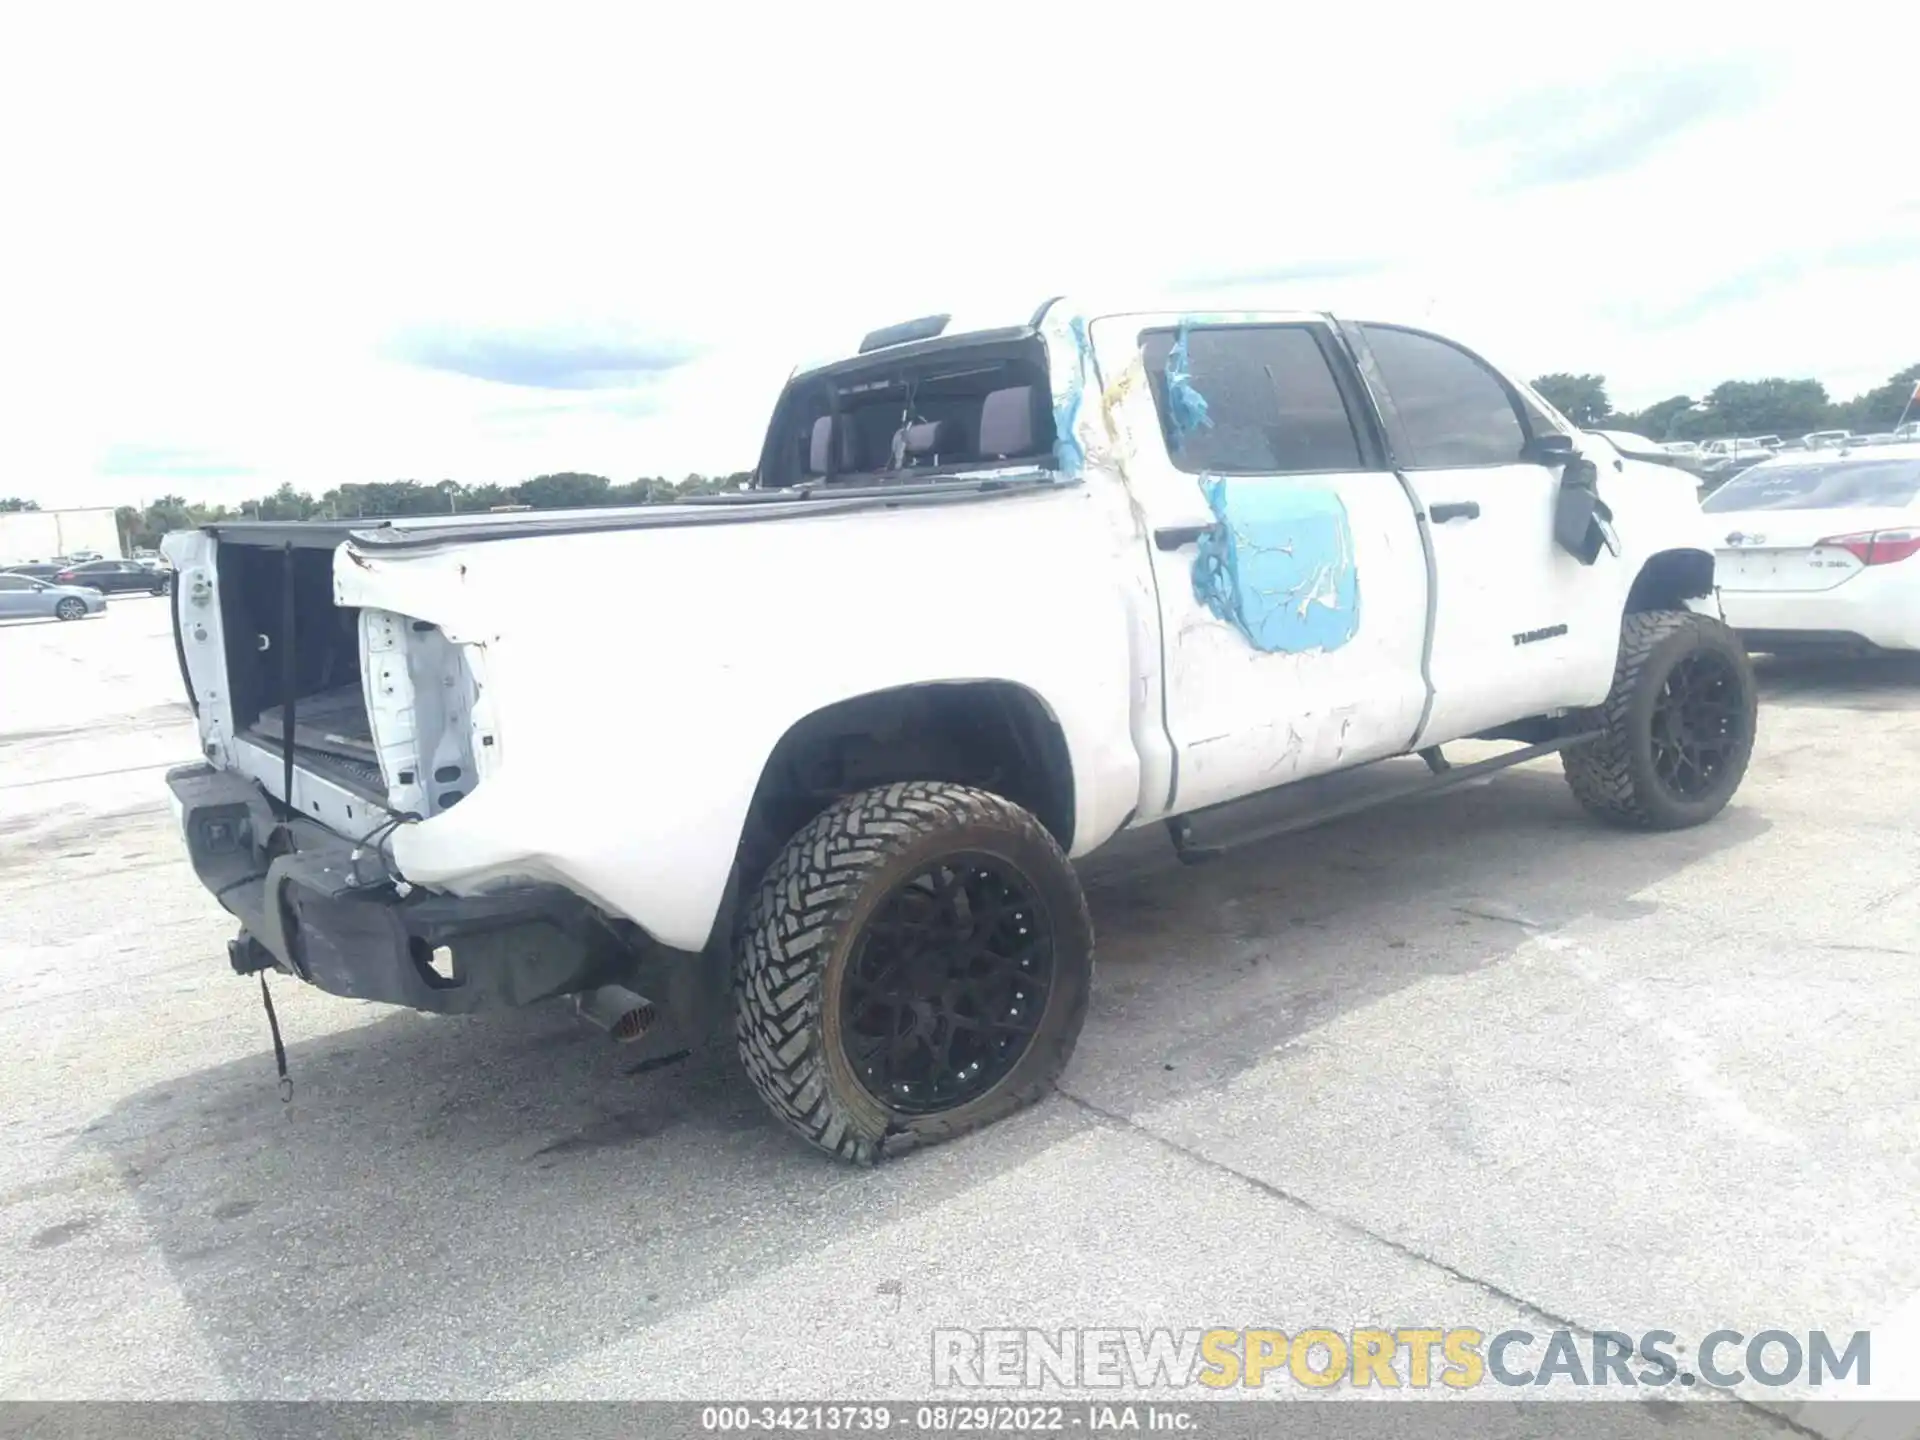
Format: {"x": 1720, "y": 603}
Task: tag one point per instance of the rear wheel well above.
{"x": 1669, "y": 579}
{"x": 993, "y": 735}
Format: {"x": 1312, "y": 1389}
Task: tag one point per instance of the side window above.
{"x": 1272, "y": 405}
{"x": 14, "y": 582}
{"x": 1455, "y": 411}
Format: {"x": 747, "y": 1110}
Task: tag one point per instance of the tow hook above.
{"x": 247, "y": 955}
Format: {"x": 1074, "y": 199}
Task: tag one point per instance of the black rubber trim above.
{"x": 1394, "y": 438}
{"x": 180, "y": 646}
{"x": 1194, "y": 852}
{"x": 1172, "y": 537}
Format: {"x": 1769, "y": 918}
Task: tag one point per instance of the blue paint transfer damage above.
{"x": 1186, "y": 406}
{"x": 1068, "y": 457}
{"x": 1280, "y": 568}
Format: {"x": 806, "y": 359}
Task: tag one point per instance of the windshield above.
{"x": 1876, "y": 483}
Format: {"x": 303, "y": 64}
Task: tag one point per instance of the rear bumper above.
{"x": 327, "y": 913}
{"x": 1865, "y": 610}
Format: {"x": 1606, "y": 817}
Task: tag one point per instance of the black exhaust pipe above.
{"x": 617, "y": 1010}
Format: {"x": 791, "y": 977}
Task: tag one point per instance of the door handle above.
{"x": 1454, "y": 510}
{"x": 1172, "y": 537}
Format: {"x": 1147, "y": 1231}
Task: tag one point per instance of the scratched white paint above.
{"x": 636, "y": 704}
{"x": 634, "y": 682}
{"x": 1230, "y": 708}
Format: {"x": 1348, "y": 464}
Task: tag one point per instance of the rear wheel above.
{"x": 1676, "y": 730}
{"x": 916, "y": 964}
{"x": 71, "y": 608}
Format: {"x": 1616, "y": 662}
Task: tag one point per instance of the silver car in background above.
{"x": 22, "y": 596}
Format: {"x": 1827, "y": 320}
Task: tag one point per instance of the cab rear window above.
{"x": 926, "y": 413}
{"x": 1876, "y": 484}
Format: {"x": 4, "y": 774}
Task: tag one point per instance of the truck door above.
{"x": 1520, "y": 626}
{"x": 1292, "y": 583}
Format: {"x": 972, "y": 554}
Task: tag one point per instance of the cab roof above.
{"x": 906, "y": 333}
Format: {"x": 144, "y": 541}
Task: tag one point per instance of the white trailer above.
{"x": 30, "y": 535}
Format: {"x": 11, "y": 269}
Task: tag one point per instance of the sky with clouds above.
{"x": 481, "y": 243}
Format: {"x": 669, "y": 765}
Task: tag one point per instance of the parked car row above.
{"x": 74, "y": 587}
{"x": 1729, "y": 456}
{"x": 106, "y": 576}
{"x": 1716, "y": 466}
{"x": 1718, "y": 460}
{"x": 115, "y": 576}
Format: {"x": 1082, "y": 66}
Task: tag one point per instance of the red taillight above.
{"x": 1878, "y": 547}
{"x": 65, "y": 577}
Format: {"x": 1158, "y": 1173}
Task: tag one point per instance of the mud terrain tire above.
{"x": 1677, "y": 727}
{"x": 907, "y": 933}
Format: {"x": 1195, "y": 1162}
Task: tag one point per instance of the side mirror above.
{"x": 1582, "y": 521}
{"x": 1549, "y": 449}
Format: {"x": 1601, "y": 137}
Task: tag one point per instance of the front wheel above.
{"x": 1677, "y": 728}
{"x": 71, "y": 608}
{"x": 916, "y": 964}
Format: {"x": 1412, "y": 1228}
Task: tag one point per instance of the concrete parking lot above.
{"x": 1475, "y": 1061}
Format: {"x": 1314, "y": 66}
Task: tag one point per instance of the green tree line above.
{"x": 142, "y": 528}
{"x": 1787, "y": 408}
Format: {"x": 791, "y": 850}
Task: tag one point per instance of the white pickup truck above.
{"x": 820, "y": 752}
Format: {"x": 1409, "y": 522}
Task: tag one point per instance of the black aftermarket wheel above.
{"x": 1677, "y": 727}
{"x": 915, "y": 965}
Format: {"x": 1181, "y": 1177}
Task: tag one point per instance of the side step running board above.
{"x": 1443, "y": 776}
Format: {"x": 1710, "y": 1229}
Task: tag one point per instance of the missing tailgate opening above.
{"x": 332, "y": 735}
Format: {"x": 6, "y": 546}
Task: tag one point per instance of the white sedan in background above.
{"x": 1818, "y": 549}
{"x": 26, "y": 595}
